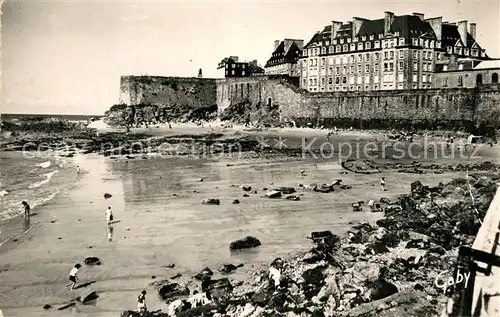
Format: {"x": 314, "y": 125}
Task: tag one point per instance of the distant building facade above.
{"x": 467, "y": 74}
{"x": 396, "y": 52}
{"x": 233, "y": 68}
{"x": 285, "y": 57}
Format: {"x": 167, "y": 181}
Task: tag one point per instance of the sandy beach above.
{"x": 157, "y": 203}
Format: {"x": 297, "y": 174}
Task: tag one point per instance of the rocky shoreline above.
{"x": 384, "y": 269}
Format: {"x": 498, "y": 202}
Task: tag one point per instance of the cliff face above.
{"x": 168, "y": 91}
{"x": 146, "y": 100}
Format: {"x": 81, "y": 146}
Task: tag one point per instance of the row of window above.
{"x": 366, "y": 57}
{"x": 386, "y": 78}
{"x": 388, "y": 67}
{"x": 367, "y": 88}
{"x": 330, "y": 49}
{"x": 463, "y": 51}
{"x": 479, "y": 80}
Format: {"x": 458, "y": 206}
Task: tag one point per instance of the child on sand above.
{"x": 73, "y": 276}
{"x": 27, "y": 209}
{"x": 141, "y": 303}
{"x": 109, "y": 216}
{"x": 382, "y": 184}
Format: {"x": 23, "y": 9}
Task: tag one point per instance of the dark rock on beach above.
{"x": 245, "y": 243}
{"x": 168, "y": 290}
{"x": 211, "y": 201}
{"x": 92, "y": 261}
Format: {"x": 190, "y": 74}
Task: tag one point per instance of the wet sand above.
{"x": 156, "y": 228}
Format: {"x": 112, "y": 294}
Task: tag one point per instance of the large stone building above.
{"x": 396, "y": 52}
{"x": 285, "y": 57}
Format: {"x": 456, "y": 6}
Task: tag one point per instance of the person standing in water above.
{"x": 27, "y": 209}
{"x": 73, "y": 277}
{"x": 109, "y": 216}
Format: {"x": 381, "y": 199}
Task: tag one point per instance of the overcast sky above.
{"x": 67, "y": 56}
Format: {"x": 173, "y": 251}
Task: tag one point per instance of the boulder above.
{"x": 92, "y": 260}
{"x": 376, "y": 248}
{"x": 345, "y": 186}
{"x": 210, "y": 201}
{"x": 227, "y": 268}
{"x": 292, "y": 197}
{"x": 324, "y": 188}
{"x": 88, "y": 296}
{"x": 356, "y": 207}
{"x": 205, "y": 274}
{"x": 107, "y": 195}
{"x": 236, "y": 201}
{"x": 314, "y": 275}
{"x": 382, "y": 289}
{"x": 220, "y": 289}
{"x": 246, "y": 188}
{"x": 245, "y": 243}
{"x": 385, "y": 200}
{"x": 273, "y": 194}
{"x": 285, "y": 190}
{"x": 167, "y": 290}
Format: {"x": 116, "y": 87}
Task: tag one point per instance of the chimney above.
{"x": 388, "y": 19}
{"x": 437, "y": 26}
{"x": 335, "y": 28}
{"x": 462, "y": 30}
{"x": 254, "y": 62}
{"x": 356, "y": 25}
{"x": 473, "y": 30}
{"x": 276, "y": 44}
{"x": 234, "y": 58}
{"x": 420, "y": 15}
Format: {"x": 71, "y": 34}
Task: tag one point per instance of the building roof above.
{"x": 279, "y": 55}
{"x": 408, "y": 26}
{"x": 487, "y": 64}
{"x": 255, "y": 69}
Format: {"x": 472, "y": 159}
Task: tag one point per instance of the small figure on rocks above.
{"x": 27, "y": 209}
{"x": 109, "y": 216}
{"x": 73, "y": 276}
{"x": 275, "y": 273}
{"x": 302, "y": 173}
{"x": 382, "y": 184}
{"x": 78, "y": 169}
{"x": 141, "y": 303}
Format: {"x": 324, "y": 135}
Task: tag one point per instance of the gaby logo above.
{"x": 445, "y": 280}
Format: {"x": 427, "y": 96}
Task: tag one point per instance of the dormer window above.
{"x": 396, "y": 33}
{"x": 449, "y": 50}
{"x": 372, "y": 37}
{"x": 334, "y": 42}
{"x": 368, "y": 45}
{"x": 353, "y": 47}
{"x": 402, "y": 41}
{"x": 474, "y": 52}
{"x": 348, "y": 40}
{"x": 380, "y": 36}
{"x": 327, "y": 43}
{"x": 438, "y": 44}
{"x": 363, "y": 38}
{"x": 356, "y": 39}
{"x": 341, "y": 41}
{"x": 337, "y": 49}
{"x": 466, "y": 51}
{"x": 377, "y": 44}
{"x": 330, "y": 50}
{"x": 360, "y": 46}
{"x": 344, "y": 48}
{"x": 323, "y": 50}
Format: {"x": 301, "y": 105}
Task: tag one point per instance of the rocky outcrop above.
{"x": 384, "y": 270}
{"x": 245, "y": 243}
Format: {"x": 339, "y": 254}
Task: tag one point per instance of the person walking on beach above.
{"x": 382, "y": 184}
{"x": 73, "y": 277}
{"x": 27, "y": 209}
{"x": 78, "y": 169}
{"x": 109, "y": 216}
{"x": 141, "y": 303}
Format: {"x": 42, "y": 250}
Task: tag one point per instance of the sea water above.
{"x": 32, "y": 178}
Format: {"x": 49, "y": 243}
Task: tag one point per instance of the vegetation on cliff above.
{"x": 128, "y": 116}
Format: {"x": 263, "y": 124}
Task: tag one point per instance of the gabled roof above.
{"x": 407, "y": 26}
{"x": 254, "y": 69}
{"x": 279, "y": 55}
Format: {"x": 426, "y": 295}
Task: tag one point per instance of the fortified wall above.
{"x": 461, "y": 108}
{"x": 193, "y": 92}
{"x": 426, "y": 108}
